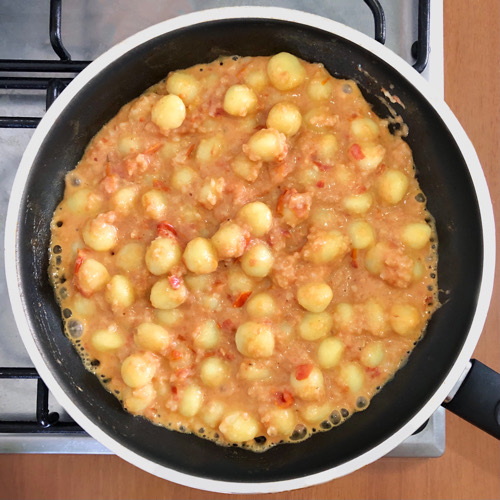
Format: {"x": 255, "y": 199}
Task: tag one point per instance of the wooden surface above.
{"x": 470, "y": 467}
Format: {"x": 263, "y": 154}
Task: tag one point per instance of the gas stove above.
{"x": 43, "y": 46}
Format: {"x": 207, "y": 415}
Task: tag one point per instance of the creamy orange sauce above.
{"x": 244, "y": 252}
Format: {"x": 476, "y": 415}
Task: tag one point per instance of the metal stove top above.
{"x": 31, "y": 421}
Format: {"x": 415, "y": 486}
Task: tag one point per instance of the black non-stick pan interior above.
{"x": 444, "y": 178}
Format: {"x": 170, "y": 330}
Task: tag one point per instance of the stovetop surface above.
{"x": 88, "y": 29}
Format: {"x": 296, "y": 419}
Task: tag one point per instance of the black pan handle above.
{"x": 478, "y": 398}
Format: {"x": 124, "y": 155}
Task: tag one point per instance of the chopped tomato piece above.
{"x": 175, "y": 282}
{"x": 153, "y": 149}
{"x": 228, "y": 325}
{"x": 373, "y": 372}
{"x": 160, "y": 185}
{"x": 242, "y": 298}
{"x": 110, "y": 183}
{"x": 321, "y": 165}
{"x": 165, "y": 229}
{"x": 81, "y": 255}
{"x": 298, "y": 203}
{"x": 175, "y": 355}
{"x": 354, "y": 258}
{"x": 223, "y": 353}
{"x": 283, "y": 399}
{"x": 303, "y": 371}
{"x": 184, "y": 373}
{"x": 356, "y": 152}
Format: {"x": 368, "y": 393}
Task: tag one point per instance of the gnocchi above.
{"x": 92, "y": 276}
{"x": 184, "y": 86}
{"x": 239, "y": 427}
{"x": 392, "y": 186}
{"x": 137, "y": 370}
{"x": 214, "y": 372}
{"x": 330, "y": 352}
{"x": 207, "y": 335}
{"x": 314, "y": 326}
{"x": 257, "y": 261}
{"x": 169, "y": 112}
{"x": 229, "y": 241}
{"x": 314, "y": 297}
{"x": 120, "y": 292}
{"x": 239, "y": 100}
{"x": 285, "y": 71}
{"x": 267, "y": 145}
{"x": 257, "y": 216}
{"x": 255, "y": 340}
{"x": 191, "y": 401}
{"x": 166, "y": 295}
{"x": 99, "y": 234}
{"x": 200, "y": 256}
{"x": 108, "y": 339}
{"x": 261, "y": 305}
{"x": 152, "y": 337}
{"x": 162, "y": 255}
{"x": 308, "y": 382}
{"x": 284, "y": 117}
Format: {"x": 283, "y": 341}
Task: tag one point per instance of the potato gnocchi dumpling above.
{"x": 154, "y": 203}
{"x": 162, "y": 255}
{"x": 257, "y": 261}
{"x": 286, "y": 71}
{"x": 314, "y": 326}
{"x": 229, "y": 241}
{"x": 92, "y": 277}
{"x": 138, "y": 369}
{"x": 307, "y": 381}
{"x": 325, "y": 247}
{"x": 99, "y": 234}
{"x": 169, "y": 112}
{"x": 184, "y": 85}
{"x": 239, "y": 427}
{"x": 120, "y": 292}
{"x": 108, "y": 339}
{"x": 285, "y": 117}
{"x": 257, "y": 216}
{"x": 168, "y": 294}
{"x": 214, "y": 372}
{"x": 267, "y": 145}
{"x": 84, "y": 201}
{"x": 255, "y": 340}
{"x": 152, "y": 337}
{"x": 124, "y": 199}
{"x": 280, "y": 422}
{"x": 244, "y": 251}
{"x": 239, "y": 100}
{"x": 200, "y": 256}
{"x": 261, "y": 305}
{"x": 191, "y": 401}
{"x": 330, "y": 352}
{"x": 207, "y": 335}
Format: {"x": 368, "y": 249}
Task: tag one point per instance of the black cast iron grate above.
{"x": 36, "y": 78}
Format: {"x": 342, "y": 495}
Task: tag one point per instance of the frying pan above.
{"x": 449, "y": 173}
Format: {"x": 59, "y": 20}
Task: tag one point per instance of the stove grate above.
{"x": 46, "y": 421}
